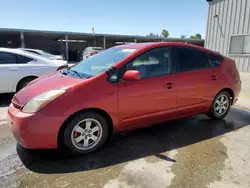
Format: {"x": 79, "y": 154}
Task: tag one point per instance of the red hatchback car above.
{"x": 122, "y": 88}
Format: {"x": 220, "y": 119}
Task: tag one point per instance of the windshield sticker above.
{"x": 128, "y": 50}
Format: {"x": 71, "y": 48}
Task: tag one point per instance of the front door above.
{"x": 154, "y": 96}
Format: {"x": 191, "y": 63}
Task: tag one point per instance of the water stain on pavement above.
{"x": 199, "y": 164}
{"x": 92, "y": 178}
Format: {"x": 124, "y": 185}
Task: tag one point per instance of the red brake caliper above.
{"x": 76, "y": 134}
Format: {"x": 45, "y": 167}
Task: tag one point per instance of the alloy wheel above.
{"x": 86, "y": 134}
{"x": 221, "y": 105}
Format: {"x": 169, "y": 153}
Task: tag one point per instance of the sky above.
{"x": 129, "y": 17}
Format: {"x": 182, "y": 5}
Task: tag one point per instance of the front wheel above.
{"x": 85, "y": 133}
{"x": 221, "y": 106}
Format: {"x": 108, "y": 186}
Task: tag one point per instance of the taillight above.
{"x": 92, "y": 53}
{"x": 62, "y": 67}
{"x": 236, "y": 75}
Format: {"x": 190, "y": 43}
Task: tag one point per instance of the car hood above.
{"x": 42, "y": 84}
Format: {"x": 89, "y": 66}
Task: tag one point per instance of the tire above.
{"x": 219, "y": 109}
{"x": 89, "y": 129}
{"x": 24, "y": 82}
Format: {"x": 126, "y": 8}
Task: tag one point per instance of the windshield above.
{"x": 101, "y": 61}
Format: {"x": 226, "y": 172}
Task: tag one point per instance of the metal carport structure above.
{"x": 67, "y": 43}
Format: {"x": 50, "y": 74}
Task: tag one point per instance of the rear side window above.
{"x": 192, "y": 59}
{"x": 7, "y": 58}
{"x": 24, "y": 59}
{"x": 215, "y": 60}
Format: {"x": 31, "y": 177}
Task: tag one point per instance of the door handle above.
{"x": 169, "y": 85}
{"x": 214, "y": 77}
{"x": 14, "y": 68}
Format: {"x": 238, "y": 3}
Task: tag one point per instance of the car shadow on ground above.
{"x": 5, "y": 99}
{"x": 136, "y": 144}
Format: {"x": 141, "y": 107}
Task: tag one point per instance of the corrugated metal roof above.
{"x": 98, "y": 35}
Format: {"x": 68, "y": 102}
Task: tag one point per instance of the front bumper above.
{"x": 33, "y": 130}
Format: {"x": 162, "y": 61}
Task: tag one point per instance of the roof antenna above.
{"x": 187, "y": 35}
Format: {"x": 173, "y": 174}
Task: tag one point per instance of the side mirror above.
{"x": 132, "y": 75}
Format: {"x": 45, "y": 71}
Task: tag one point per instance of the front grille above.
{"x": 16, "y": 106}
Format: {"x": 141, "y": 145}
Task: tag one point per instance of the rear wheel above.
{"x": 85, "y": 133}
{"x": 221, "y": 105}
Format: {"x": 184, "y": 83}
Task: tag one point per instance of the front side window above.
{"x": 7, "y": 58}
{"x": 101, "y": 61}
{"x": 192, "y": 59}
{"x": 155, "y": 62}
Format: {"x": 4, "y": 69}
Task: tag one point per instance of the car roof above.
{"x": 96, "y": 48}
{"x": 36, "y": 50}
{"x": 149, "y": 45}
{"x": 21, "y": 52}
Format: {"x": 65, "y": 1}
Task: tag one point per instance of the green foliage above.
{"x": 153, "y": 35}
{"x": 165, "y": 33}
{"x": 196, "y": 36}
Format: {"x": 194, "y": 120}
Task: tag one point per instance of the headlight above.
{"x": 40, "y": 101}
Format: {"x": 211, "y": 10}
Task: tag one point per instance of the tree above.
{"x": 183, "y": 36}
{"x": 153, "y": 35}
{"x": 196, "y": 36}
{"x": 165, "y": 33}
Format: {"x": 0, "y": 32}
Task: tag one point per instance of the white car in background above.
{"x": 43, "y": 53}
{"x": 18, "y": 68}
{"x": 90, "y": 51}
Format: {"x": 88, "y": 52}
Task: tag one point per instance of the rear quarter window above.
{"x": 215, "y": 60}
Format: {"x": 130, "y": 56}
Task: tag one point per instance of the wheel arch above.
{"x": 230, "y": 92}
{"x": 95, "y": 110}
{"x": 26, "y": 77}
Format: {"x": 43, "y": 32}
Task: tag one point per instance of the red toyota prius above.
{"x": 123, "y": 88}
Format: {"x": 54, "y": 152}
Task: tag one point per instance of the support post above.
{"x": 67, "y": 47}
{"x": 104, "y": 42}
{"x": 22, "y": 40}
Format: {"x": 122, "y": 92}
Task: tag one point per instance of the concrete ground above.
{"x": 192, "y": 152}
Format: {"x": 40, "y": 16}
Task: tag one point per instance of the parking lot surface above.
{"x": 192, "y": 152}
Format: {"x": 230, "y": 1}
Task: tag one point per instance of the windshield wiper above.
{"x": 75, "y": 73}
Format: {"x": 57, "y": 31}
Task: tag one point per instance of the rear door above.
{"x": 9, "y": 71}
{"x": 197, "y": 79}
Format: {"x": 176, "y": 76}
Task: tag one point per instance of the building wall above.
{"x": 233, "y": 18}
